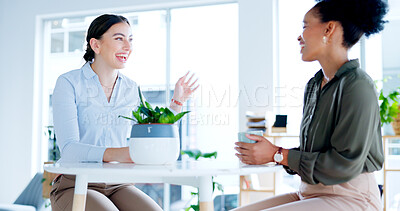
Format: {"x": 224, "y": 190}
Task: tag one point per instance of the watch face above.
{"x": 278, "y": 157}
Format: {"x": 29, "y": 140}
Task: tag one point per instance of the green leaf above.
{"x": 156, "y": 117}
{"x": 145, "y": 121}
{"x": 145, "y": 111}
{"x": 393, "y": 95}
{"x": 180, "y": 115}
{"x": 218, "y": 186}
{"x": 169, "y": 113}
{"x": 140, "y": 96}
{"x": 210, "y": 155}
{"x": 194, "y": 153}
{"x": 187, "y": 152}
{"x": 195, "y": 207}
{"x": 126, "y": 117}
{"x": 167, "y": 117}
{"x": 381, "y": 97}
{"x": 149, "y": 106}
{"x": 164, "y": 119}
{"x": 43, "y": 179}
{"x": 137, "y": 116}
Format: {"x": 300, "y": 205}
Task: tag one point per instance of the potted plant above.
{"x": 389, "y": 109}
{"x": 154, "y": 138}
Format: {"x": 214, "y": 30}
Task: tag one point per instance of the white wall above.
{"x": 17, "y": 47}
{"x": 16, "y": 74}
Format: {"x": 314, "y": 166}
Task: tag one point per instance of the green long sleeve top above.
{"x": 340, "y": 134}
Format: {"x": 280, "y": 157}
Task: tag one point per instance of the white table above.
{"x": 193, "y": 173}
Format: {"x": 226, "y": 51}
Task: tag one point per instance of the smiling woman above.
{"x": 96, "y": 90}
{"x": 340, "y": 133}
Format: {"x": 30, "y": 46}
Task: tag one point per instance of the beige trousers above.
{"x": 100, "y": 196}
{"x": 360, "y": 193}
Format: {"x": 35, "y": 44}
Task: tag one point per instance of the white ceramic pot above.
{"x": 154, "y": 144}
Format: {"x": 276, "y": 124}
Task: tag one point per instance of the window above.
{"x": 205, "y": 42}
{"x": 147, "y": 63}
{"x": 293, "y": 73}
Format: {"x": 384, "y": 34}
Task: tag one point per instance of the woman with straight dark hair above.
{"x": 340, "y": 133}
{"x": 86, "y": 106}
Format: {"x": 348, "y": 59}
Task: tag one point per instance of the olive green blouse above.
{"x": 340, "y": 134}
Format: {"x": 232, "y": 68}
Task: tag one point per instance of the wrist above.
{"x": 177, "y": 102}
{"x": 107, "y": 155}
{"x": 117, "y": 154}
{"x": 178, "y": 98}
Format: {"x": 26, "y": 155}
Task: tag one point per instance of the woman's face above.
{"x": 115, "y": 45}
{"x": 311, "y": 41}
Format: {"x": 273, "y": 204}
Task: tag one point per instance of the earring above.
{"x": 324, "y": 39}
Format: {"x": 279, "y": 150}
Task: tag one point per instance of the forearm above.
{"x": 176, "y": 104}
{"x": 175, "y": 107}
{"x": 75, "y": 151}
{"x": 117, "y": 154}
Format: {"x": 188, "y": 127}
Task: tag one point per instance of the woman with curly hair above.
{"x": 340, "y": 133}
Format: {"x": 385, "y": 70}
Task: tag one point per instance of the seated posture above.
{"x": 86, "y": 106}
{"x": 340, "y": 133}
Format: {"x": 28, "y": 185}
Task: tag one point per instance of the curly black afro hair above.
{"x": 357, "y": 17}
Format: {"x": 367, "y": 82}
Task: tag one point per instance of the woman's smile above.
{"x": 122, "y": 57}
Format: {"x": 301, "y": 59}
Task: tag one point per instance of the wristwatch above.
{"x": 278, "y": 157}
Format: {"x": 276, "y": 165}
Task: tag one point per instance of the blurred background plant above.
{"x": 54, "y": 152}
{"x": 197, "y": 154}
{"x": 389, "y": 108}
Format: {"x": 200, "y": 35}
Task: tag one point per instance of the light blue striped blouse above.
{"x": 85, "y": 122}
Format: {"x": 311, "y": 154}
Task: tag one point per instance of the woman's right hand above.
{"x": 258, "y": 153}
{"x": 117, "y": 154}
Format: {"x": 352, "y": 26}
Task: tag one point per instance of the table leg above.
{"x": 205, "y": 194}
{"x": 167, "y": 197}
{"x": 81, "y": 183}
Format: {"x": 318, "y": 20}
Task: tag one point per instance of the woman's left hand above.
{"x": 184, "y": 89}
{"x": 258, "y": 153}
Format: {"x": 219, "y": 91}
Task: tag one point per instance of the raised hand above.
{"x": 184, "y": 88}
